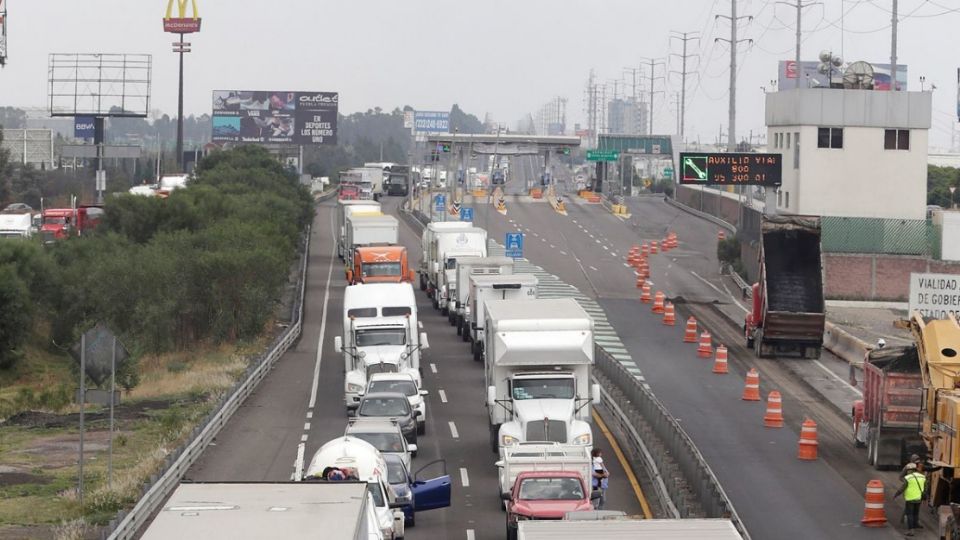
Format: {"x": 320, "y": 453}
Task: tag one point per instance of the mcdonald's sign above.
{"x": 181, "y": 24}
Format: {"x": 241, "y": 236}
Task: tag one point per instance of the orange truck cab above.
{"x": 380, "y": 264}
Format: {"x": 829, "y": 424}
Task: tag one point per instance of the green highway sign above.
{"x": 602, "y": 155}
{"x": 668, "y": 173}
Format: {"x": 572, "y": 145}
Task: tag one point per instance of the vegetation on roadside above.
{"x": 939, "y": 181}
{"x": 728, "y": 253}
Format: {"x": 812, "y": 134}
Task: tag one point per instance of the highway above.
{"x": 300, "y": 406}
{"x": 775, "y": 494}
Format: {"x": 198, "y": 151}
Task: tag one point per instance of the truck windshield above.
{"x": 451, "y": 264}
{"x": 543, "y": 389}
{"x": 551, "y": 489}
{"x": 380, "y": 269}
{"x": 52, "y": 220}
{"x": 381, "y": 336}
{"x": 407, "y": 388}
{"x": 377, "y": 492}
{"x": 384, "y": 442}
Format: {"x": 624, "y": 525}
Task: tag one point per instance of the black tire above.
{"x": 423, "y": 282}
{"x": 494, "y": 445}
{"x": 459, "y": 325}
{"x": 856, "y": 443}
{"x": 421, "y": 428}
{"x": 452, "y": 317}
{"x": 412, "y": 522}
{"x": 436, "y": 305}
{"x": 477, "y": 352}
{"x": 466, "y": 332}
{"x": 511, "y": 533}
{"x": 443, "y": 309}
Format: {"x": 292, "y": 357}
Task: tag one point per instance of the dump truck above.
{"x": 887, "y": 419}
{"x": 787, "y": 316}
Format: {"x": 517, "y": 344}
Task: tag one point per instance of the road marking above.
{"x": 471, "y": 535}
{"x": 626, "y": 466}
{"x": 590, "y": 235}
{"x": 306, "y": 426}
{"x": 712, "y": 286}
{"x": 562, "y": 252}
{"x": 298, "y": 464}
{"x": 309, "y": 415}
{"x": 303, "y": 438}
{"x": 594, "y": 268}
{"x": 838, "y": 378}
{"x": 573, "y": 220}
{"x": 605, "y": 248}
{"x": 535, "y": 234}
{"x": 420, "y": 324}
{"x": 453, "y": 430}
{"x": 628, "y": 266}
{"x": 323, "y": 322}
{"x": 597, "y": 240}
{"x": 433, "y": 368}
{"x": 443, "y": 395}
{"x": 552, "y": 246}
{"x": 464, "y": 479}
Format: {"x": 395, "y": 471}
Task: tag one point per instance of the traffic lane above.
{"x": 775, "y": 494}
{"x": 462, "y": 382}
{"x": 259, "y": 443}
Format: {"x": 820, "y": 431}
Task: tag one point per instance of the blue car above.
{"x": 414, "y": 495}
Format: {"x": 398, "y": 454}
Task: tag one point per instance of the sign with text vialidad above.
{"x": 275, "y": 117}
{"x": 935, "y": 295}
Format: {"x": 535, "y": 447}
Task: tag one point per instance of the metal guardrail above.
{"x": 128, "y": 524}
{"x": 679, "y": 447}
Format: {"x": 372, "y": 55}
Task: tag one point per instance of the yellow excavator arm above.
{"x": 938, "y": 347}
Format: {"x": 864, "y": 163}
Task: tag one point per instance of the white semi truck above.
{"x": 368, "y": 229}
{"x": 380, "y": 335}
{"x": 426, "y": 240}
{"x": 484, "y": 288}
{"x": 346, "y": 208}
{"x": 445, "y": 247}
{"x": 537, "y": 362}
{"x": 458, "y": 290}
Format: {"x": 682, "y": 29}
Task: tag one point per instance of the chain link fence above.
{"x": 875, "y": 235}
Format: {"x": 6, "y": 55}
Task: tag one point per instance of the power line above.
{"x": 684, "y": 37}
{"x": 732, "y": 121}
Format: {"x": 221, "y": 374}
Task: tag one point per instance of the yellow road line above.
{"x": 626, "y": 466}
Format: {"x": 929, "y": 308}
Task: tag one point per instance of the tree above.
{"x": 463, "y": 122}
{"x": 15, "y": 323}
{"x": 939, "y": 181}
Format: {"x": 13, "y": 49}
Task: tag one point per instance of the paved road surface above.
{"x": 261, "y": 441}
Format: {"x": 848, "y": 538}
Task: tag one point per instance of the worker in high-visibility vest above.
{"x": 913, "y": 489}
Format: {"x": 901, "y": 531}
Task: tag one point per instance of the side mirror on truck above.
{"x": 411, "y": 276}
{"x": 338, "y": 344}
{"x": 595, "y": 394}
{"x": 491, "y": 396}
{"x": 424, "y": 342}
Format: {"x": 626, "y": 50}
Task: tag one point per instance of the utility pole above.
{"x": 653, "y": 63}
{"x": 732, "y": 120}
{"x": 678, "y": 103}
{"x": 893, "y": 47}
{"x": 684, "y": 37}
{"x": 799, "y": 5}
{"x": 591, "y": 108}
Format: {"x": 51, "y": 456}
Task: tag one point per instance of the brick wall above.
{"x": 854, "y": 276}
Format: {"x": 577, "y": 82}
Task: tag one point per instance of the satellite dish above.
{"x": 823, "y": 68}
{"x": 858, "y": 75}
{"x": 825, "y": 56}
{"x": 837, "y": 61}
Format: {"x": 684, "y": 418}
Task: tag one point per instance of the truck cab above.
{"x": 380, "y": 335}
{"x": 546, "y": 495}
{"x": 445, "y": 249}
{"x": 60, "y": 223}
{"x": 380, "y": 264}
{"x": 427, "y": 274}
{"x": 539, "y": 354}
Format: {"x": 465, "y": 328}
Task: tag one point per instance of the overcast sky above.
{"x": 505, "y": 57}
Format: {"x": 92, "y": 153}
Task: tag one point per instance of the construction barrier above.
{"x": 669, "y": 317}
{"x": 645, "y": 294}
{"x": 720, "y": 361}
{"x": 690, "y": 335}
{"x": 774, "y": 416}
{"x": 873, "y": 513}
{"x": 751, "y": 389}
{"x": 808, "y": 441}
{"x": 658, "y": 300}
{"x": 705, "y": 349}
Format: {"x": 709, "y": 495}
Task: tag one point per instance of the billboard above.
{"x": 806, "y": 75}
{"x": 181, "y": 24}
{"x": 307, "y": 118}
{"x": 729, "y": 168}
{"x": 431, "y": 122}
{"x": 83, "y": 127}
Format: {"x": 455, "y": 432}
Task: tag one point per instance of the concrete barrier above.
{"x": 844, "y": 344}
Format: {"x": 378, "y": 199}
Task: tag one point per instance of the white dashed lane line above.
{"x": 464, "y": 478}
{"x": 453, "y": 430}
{"x": 433, "y": 368}
{"x": 443, "y": 395}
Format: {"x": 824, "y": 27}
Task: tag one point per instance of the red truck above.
{"x": 546, "y": 495}
{"x": 887, "y": 420}
{"x": 59, "y": 223}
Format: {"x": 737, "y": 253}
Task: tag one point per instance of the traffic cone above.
{"x": 641, "y": 282}
{"x": 644, "y": 249}
{"x": 669, "y": 317}
{"x": 751, "y": 390}
{"x": 705, "y": 349}
{"x": 721, "y": 235}
{"x": 808, "y": 441}
{"x": 645, "y": 294}
{"x": 690, "y": 335}
{"x": 672, "y": 238}
{"x": 664, "y": 245}
{"x": 631, "y": 258}
{"x": 873, "y": 513}
{"x": 654, "y": 247}
{"x": 720, "y": 360}
{"x": 658, "y": 303}
{"x": 635, "y": 248}
{"x": 774, "y": 416}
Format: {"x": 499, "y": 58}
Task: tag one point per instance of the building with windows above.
{"x": 627, "y": 117}
{"x": 850, "y": 153}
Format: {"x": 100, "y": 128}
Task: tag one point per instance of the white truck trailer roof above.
{"x": 629, "y": 529}
{"x": 378, "y": 295}
{"x": 242, "y": 511}
{"x": 482, "y": 280}
{"x": 540, "y": 314}
{"x": 539, "y": 332}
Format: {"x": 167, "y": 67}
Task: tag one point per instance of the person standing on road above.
{"x": 600, "y": 476}
{"x": 914, "y": 485}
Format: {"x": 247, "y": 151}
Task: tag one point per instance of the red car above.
{"x": 546, "y": 495}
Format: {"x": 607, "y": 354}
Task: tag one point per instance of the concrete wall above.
{"x": 950, "y": 239}
{"x": 855, "y": 276}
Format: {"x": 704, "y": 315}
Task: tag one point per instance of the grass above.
{"x": 176, "y": 391}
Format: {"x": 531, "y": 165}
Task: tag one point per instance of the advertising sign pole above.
{"x": 180, "y": 112}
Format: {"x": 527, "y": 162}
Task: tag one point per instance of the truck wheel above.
{"x": 856, "y": 442}
{"x": 758, "y": 343}
{"x": 452, "y": 317}
{"x": 422, "y": 428}
{"x": 423, "y": 283}
{"x": 872, "y": 447}
{"x": 477, "y": 352}
{"x": 436, "y": 305}
{"x": 466, "y": 332}
{"x": 443, "y": 310}
{"x": 459, "y": 325}
{"x": 494, "y": 446}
